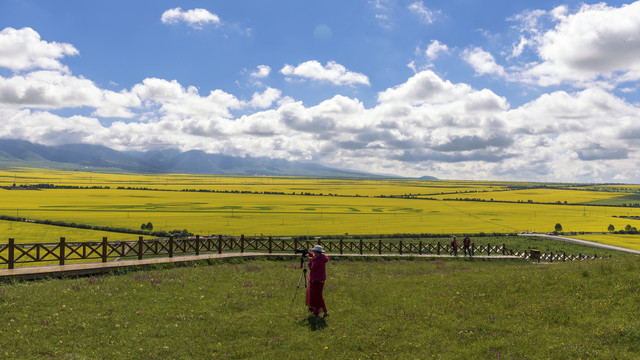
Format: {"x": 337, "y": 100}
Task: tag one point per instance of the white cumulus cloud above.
{"x": 266, "y": 98}
{"x": 261, "y": 72}
{"x": 178, "y": 102}
{"x": 22, "y": 49}
{"x": 435, "y": 49}
{"x": 47, "y": 89}
{"x": 483, "y": 62}
{"x": 596, "y": 43}
{"x": 424, "y": 124}
{"x": 332, "y": 72}
{"x": 195, "y": 18}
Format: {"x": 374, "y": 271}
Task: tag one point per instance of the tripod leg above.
{"x": 297, "y": 287}
{"x": 304, "y": 273}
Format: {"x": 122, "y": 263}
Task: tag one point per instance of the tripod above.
{"x": 303, "y": 276}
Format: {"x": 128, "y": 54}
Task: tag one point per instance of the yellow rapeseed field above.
{"x": 241, "y": 211}
{"x": 363, "y": 187}
{"x": 537, "y": 195}
{"x": 622, "y": 240}
{"x": 230, "y": 213}
{"x": 26, "y": 232}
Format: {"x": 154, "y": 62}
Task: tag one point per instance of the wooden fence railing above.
{"x": 60, "y": 253}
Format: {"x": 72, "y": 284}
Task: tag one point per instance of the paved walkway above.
{"x": 38, "y": 272}
{"x": 583, "y": 242}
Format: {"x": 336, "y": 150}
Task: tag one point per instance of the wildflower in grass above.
{"x": 269, "y": 294}
{"x": 248, "y": 284}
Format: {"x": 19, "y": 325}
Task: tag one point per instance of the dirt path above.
{"x": 583, "y": 242}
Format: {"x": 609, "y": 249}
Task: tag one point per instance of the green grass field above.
{"x": 379, "y": 310}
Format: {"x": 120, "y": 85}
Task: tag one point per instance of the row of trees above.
{"x": 51, "y": 186}
{"x": 627, "y": 229}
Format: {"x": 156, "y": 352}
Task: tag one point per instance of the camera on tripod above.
{"x": 304, "y": 252}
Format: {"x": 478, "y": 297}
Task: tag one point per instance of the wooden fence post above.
{"x": 438, "y": 248}
{"x": 340, "y": 246}
{"x": 564, "y": 256}
{"x": 504, "y": 249}
{"x": 219, "y": 244}
{"x": 551, "y": 256}
{"x": 170, "y": 246}
{"x": 420, "y": 247}
{"x": 104, "y": 249}
{"x": 140, "y": 245}
{"x": 197, "y": 245}
{"x": 270, "y": 245}
{"x": 473, "y": 249}
{"x": 11, "y": 257}
{"x": 360, "y": 246}
{"x": 379, "y": 247}
{"x": 63, "y": 245}
{"x": 241, "y": 243}
{"x": 400, "y": 247}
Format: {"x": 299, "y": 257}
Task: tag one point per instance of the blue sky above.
{"x": 513, "y": 90}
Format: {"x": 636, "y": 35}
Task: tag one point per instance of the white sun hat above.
{"x": 318, "y": 248}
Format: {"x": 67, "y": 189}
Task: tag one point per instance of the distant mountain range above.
{"x": 100, "y": 158}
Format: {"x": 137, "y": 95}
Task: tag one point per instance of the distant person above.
{"x": 317, "y": 277}
{"x": 466, "y": 246}
{"x": 454, "y": 246}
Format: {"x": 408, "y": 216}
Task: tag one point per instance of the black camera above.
{"x": 302, "y": 251}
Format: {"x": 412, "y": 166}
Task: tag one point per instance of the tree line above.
{"x": 145, "y": 231}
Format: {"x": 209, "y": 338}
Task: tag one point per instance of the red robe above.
{"x": 315, "y": 300}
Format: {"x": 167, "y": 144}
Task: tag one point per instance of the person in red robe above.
{"x": 318, "y": 275}
{"x": 454, "y": 246}
{"x": 466, "y": 246}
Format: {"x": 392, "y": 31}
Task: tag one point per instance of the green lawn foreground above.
{"x": 410, "y": 309}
